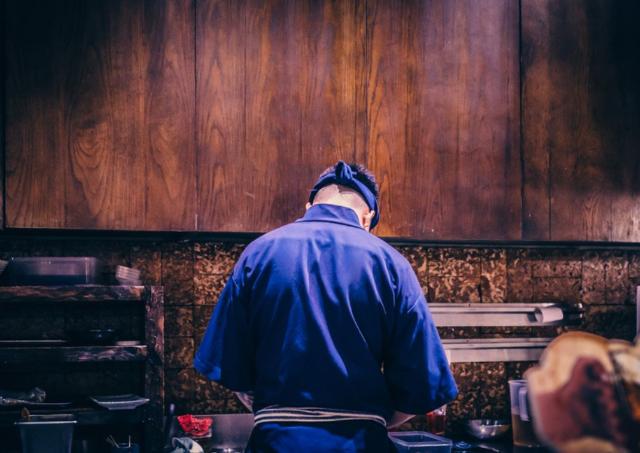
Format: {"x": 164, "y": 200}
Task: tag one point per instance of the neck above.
{"x": 345, "y": 204}
{"x": 338, "y": 202}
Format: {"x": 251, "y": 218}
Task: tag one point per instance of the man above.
{"x": 327, "y": 327}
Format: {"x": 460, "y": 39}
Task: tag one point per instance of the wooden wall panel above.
{"x": 443, "y": 117}
{"x": 171, "y": 196}
{"x": 297, "y": 95}
{"x": 581, "y": 105}
{"x": 100, "y": 115}
{"x": 220, "y": 114}
{"x": 217, "y": 115}
{"x": 36, "y": 46}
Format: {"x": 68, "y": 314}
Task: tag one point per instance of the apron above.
{"x": 322, "y": 437}
{"x": 318, "y": 430}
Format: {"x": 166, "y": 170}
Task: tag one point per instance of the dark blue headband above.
{"x": 343, "y": 175}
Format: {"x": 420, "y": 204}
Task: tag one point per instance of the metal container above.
{"x": 47, "y": 433}
{"x": 229, "y": 432}
{"x": 487, "y": 428}
{"x": 420, "y": 442}
{"x": 43, "y": 270}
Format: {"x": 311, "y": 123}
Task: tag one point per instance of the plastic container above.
{"x": 420, "y": 441}
{"x": 524, "y": 434}
{"x": 51, "y": 270}
{"x": 47, "y": 433}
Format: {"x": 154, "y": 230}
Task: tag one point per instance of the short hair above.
{"x": 362, "y": 174}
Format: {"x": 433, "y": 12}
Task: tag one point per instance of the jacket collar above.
{"x": 331, "y": 213}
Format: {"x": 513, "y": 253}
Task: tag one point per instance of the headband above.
{"x": 343, "y": 175}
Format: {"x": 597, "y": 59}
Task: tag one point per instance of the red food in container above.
{"x": 195, "y": 426}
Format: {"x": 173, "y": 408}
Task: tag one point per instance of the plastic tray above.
{"x": 420, "y": 441}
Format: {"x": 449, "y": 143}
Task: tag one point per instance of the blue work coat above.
{"x": 320, "y": 313}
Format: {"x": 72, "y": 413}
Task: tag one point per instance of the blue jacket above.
{"x": 321, "y": 313}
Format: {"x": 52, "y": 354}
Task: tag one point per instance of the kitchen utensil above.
{"x": 487, "y": 428}
{"x": 92, "y": 336}
{"x": 34, "y": 398}
{"x": 128, "y": 275}
{"x": 523, "y": 434}
{"x": 52, "y": 271}
{"x": 128, "y": 343}
{"x": 420, "y": 441}
{"x": 35, "y": 394}
{"x": 119, "y": 402}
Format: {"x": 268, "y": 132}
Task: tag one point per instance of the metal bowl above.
{"x": 487, "y": 428}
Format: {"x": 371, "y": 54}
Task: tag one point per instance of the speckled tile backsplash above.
{"x": 194, "y": 273}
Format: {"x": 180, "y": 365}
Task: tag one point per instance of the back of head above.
{"x": 350, "y": 185}
{"x": 360, "y": 173}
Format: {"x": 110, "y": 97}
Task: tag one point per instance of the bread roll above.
{"x": 578, "y": 400}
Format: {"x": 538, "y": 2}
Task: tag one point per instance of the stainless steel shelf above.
{"x": 495, "y": 349}
{"x": 507, "y": 314}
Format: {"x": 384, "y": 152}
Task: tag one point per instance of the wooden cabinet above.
{"x": 581, "y": 117}
{"x": 492, "y": 120}
{"x": 277, "y": 103}
{"x": 99, "y": 115}
{"x": 424, "y": 93}
{"x": 443, "y": 117}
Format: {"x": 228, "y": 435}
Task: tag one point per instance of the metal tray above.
{"x": 52, "y": 271}
{"x": 119, "y": 402}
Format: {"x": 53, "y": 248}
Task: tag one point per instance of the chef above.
{"x": 324, "y": 331}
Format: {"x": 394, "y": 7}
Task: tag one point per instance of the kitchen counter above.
{"x": 504, "y": 447}
{"x": 231, "y": 431}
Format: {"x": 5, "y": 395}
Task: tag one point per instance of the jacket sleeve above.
{"x": 226, "y": 353}
{"x": 416, "y": 368}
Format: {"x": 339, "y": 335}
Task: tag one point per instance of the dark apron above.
{"x": 320, "y": 437}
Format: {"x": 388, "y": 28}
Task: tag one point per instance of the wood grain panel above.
{"x": 298, "y": 104}
{"x": 35, "y": 142}
{"x": 100, "y": 115}
{"x": 443, "y": 117}
{"x": 220, "y": 113}
{"x": 581, "y": 110}
{"x": 536, "y": 202}
{"x": 170, "y": 115}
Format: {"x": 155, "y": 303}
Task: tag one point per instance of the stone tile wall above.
{"x": 194, "y": 273}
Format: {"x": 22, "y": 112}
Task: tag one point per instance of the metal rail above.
{"x": 506, "y": 315}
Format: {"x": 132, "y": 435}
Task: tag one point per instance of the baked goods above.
{"x": 584, "y": 394}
